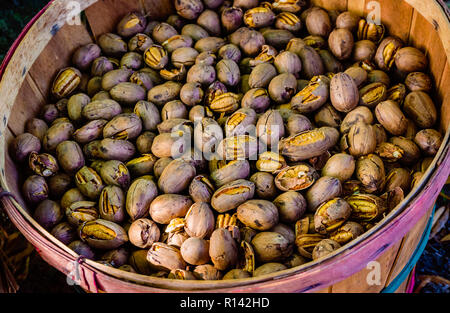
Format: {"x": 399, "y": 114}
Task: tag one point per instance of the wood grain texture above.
{"x": 424, "y": 37}
{"x": 357, "y": 283}
{"x": 419, "y": 32}
{"x": 403, "y": 286}
{"x": 104, "y": 15}
{"x": 165, "y": 8}
{"x": 58, "y": 54}
{"x": 356, "y": 6}
{"x": 445, "y": 98}
{"x": 10, "y": 171}
{"x": 437, "y": 17}
{"x": 408, "y": 246}
{"x": 436, "y": 58}
{"x": 338, "y": 5}
{"x": 28, "y": 104}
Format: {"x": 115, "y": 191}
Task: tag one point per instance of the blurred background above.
{"x": 22, "y": 269}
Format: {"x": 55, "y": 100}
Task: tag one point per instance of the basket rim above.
{"x": 376, "y": 230}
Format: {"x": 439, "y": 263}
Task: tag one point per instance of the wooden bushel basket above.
{"x": 46, "y": 45}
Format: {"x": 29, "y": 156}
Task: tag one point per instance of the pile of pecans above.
{"x": 220, "y": 145}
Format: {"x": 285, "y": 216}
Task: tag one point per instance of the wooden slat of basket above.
{"x": 443, "y": 94}
{"x": 419, "y": 32}
{"x": 58, "y": 54}
{"x": 10, "y": 169}
{"x": 435, "y": 14}
{"x": 408, "y": 246}
{"x": 358, "y": 282}
{"x": 436, "y": 58}
{"x": 356, "y": 6}
{"x": 161, "y": 11}
{"x": 339, "y": 5}
{"x": 28, "y": 103}
{"x": 423, "y": 36}
{"x": 104, "y": 15}
{"x": 403, "y": 286}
